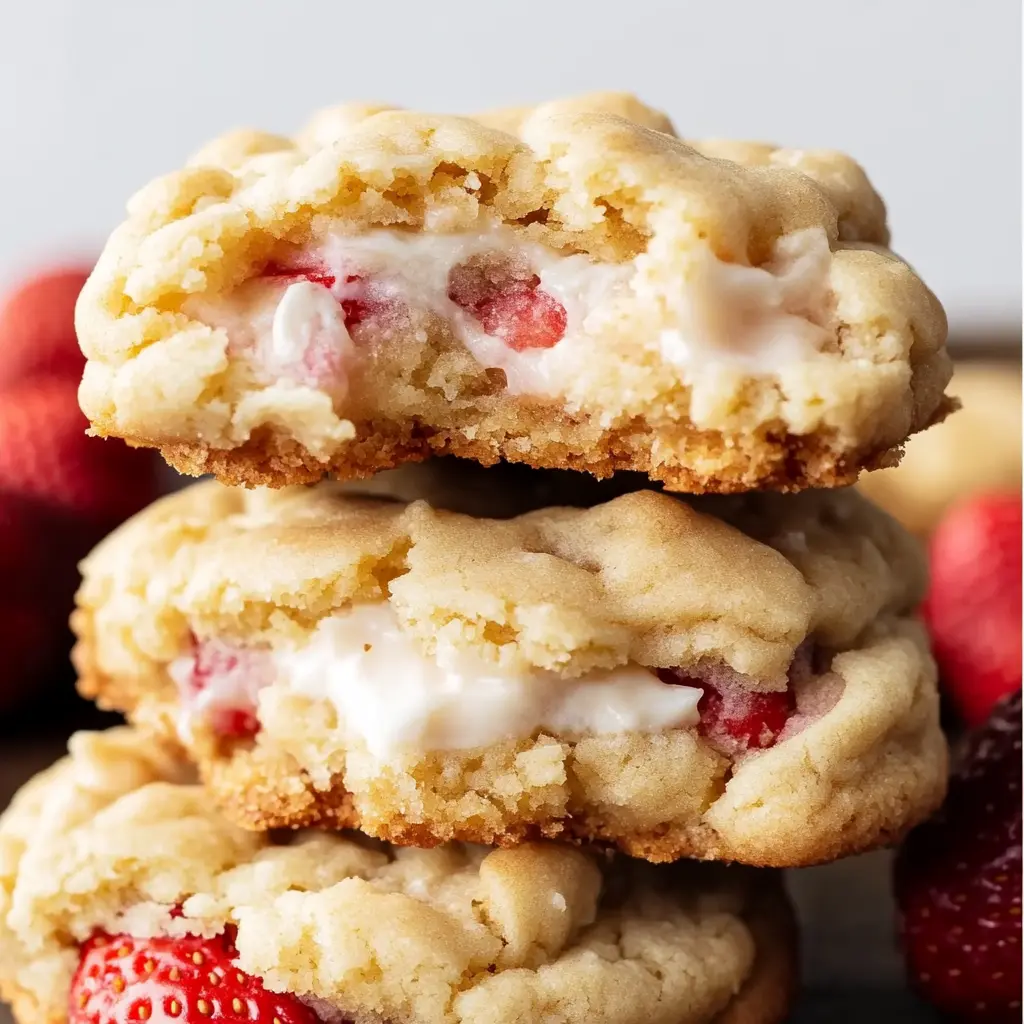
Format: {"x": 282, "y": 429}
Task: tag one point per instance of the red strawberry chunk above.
{"x": 235, "y": 723}
{"x": 754, "y": 720}
{"x": 524, "y": 317}
{"x": 958, "y": 882}
{"x": 505, "y": 296}
{"x": 187, "y": 980}
{"x": 302, "y": 265}
{"x": 973, "y": 608}
{"x": 222, "y": 683}
{"x": 734, "y": 718}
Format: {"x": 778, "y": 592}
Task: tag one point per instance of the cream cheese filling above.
{"x": 714, "y": 315}
{"x": 391, "y": 697}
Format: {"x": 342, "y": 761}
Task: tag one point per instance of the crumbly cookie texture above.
{"x": 642, "y": 580}
{"x": 977, "y": 451}
{"x": 720, "y": 315}
{"x": 112, "y": 839}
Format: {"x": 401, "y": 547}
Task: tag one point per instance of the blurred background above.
{"x": 97, "y": 98}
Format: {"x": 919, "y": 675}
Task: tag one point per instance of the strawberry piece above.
{"x": 733, "y": 718}
{"x": 958, "y": 882}
{"x": 750, "y": 719}
{"x": 358, "y": 305}
{"x": 187, "y": 980}
{"x": 235, "y": 723}
{"x": 302, "y": 265}
{"x": 973, "y": 608}
{"x": 358, "y": 301}
{"x": 524, "y": 317}
{"x": 505, "y": 296}
{"x": 37, "y": 328}
{"x": 222, "y": 684}
{"x": 46, "y": 456}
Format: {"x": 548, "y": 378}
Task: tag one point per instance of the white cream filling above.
{"x": 758, "y": 319}
{"x": 414, "y": 269}
{"x": 392, "y": 697}
{"x": 761, "y": 318}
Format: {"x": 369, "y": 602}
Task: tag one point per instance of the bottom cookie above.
{"x": 124, "y": 896}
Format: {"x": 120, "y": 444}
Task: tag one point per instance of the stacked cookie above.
{"x": 517, "y": 687}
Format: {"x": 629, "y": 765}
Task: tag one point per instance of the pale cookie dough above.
{"x": 570, "y": 286}
{"x": 978, "y": 451}
{"x": 112, "y": 839}
{"x": 425, "y": 675}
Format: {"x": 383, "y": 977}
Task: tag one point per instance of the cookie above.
{"x": 732, "y": 678}
{"x": 113, "y": 859}
{"x": 977, "y": 451}
{"x": 569, "y": 287}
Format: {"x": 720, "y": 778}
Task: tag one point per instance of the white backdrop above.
{"x": 97, "y": 96}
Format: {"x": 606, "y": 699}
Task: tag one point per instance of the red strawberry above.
{"x": 505, "y": 296}
{"x": 359, "y": 301}
{"x": 45, "y": 456}
{"x": 37, "y": 328}
{"x": 523, "y": 317}
{"x": 223, "y": 684}
{"x": 733, "y": 718}
{"x": 958, "y": 882}
{"x": 188, "y": 980}
{"x": 973, "y": 608}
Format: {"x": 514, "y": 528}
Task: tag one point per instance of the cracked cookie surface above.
{"x": 569, "y": 286}
{"x": 116, "y": 839}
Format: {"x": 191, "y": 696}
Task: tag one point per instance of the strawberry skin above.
{"x": 958, "y": 882}
{"x": 524, "y": 317}
{"x": 46, "y": 456}
{"x": 973, "y": 608}
{"x": 747, "y": 720}
{"x": 732, "y": 718}
{"x": 37, "y": 328}
{"x": 185, "y": 980}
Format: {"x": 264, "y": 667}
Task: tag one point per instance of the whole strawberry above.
{"x": 958, "y": 882}
{"x": 60, "y": 490}
{"x": 973, "y": 608}
{"x": 47, "y": 457}
{"x": 37, "y": 328}
{"x": 185, "y": 980}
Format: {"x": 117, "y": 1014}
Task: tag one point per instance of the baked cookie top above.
{"x": 114, "y": 838}
{"x": 644, "y": 578}
{"x": 713, "y": 290}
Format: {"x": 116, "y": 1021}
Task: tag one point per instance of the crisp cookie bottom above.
{"x": 115, "y": 837}
{"x": 720, "y": 465}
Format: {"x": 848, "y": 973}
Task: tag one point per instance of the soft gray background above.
{"x": 97, "y": 96}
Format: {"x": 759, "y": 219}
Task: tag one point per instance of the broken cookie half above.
{"x": 570, "y": 286}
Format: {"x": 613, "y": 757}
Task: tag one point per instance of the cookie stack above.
{"x": 532, "y": 698}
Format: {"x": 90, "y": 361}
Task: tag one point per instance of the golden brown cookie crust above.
{"x": 585, "y": 175}
{"x": 112, "y": 838}
{"x": 644, "y": 579}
